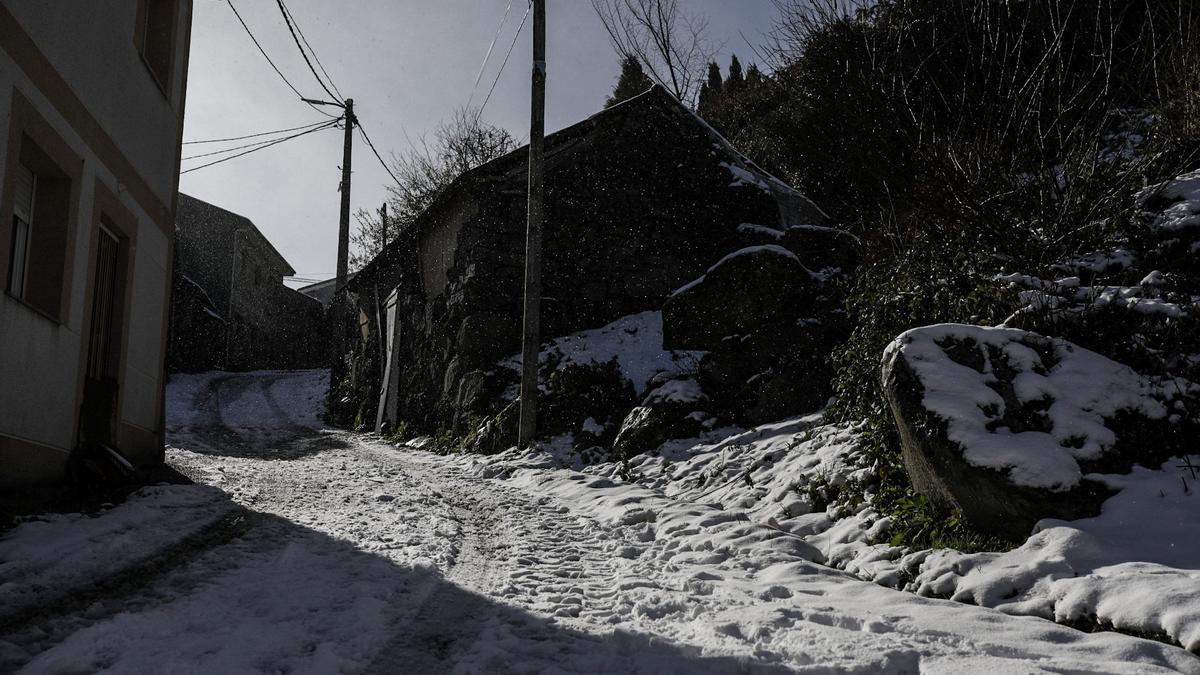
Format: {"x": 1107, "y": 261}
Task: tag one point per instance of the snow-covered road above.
{"x": 302, "y": 549}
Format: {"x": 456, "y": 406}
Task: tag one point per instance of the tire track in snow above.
{"x": 517, "y": 551}
{"x": 36, "y": 628}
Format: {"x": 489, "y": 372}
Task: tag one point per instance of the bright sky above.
{"x": 408, "y": 64}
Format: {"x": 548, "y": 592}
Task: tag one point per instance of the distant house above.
{"x": 91, "y": 117}
{"x": 322, "y": 291}
{"x": 232, "y": 310}
{"x": 640, "y": 199}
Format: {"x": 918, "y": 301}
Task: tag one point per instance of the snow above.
{"x": 1068, "y": 295}
{"x": 298, "y": 394}
{"x": 1084, "y": 390}
{"x": 1101, "y": 263}
{"x": 751, "y": 228}
{"x": 1184, "y": 194}
{"x": 49, "y": 553}
{"x": 676, "y": 391}
{"x": 635, "y": 342}
{"x": 365, "y": 556}
{"x": 731, "y": 519}
{"x": 1129, "y": 567}
{"x": 773, "y": 249}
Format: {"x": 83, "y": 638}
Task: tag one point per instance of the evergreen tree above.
{"x": 736, "y": 80}
{"x": 754, "y": 77}
{"x": 711, "y": 90}
{"x": 632, "y": 81}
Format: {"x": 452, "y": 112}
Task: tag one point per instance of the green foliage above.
{"x": 400, "y": 433}
{"x": 446, "y": 442}
{"x": 878, "y": 102}
{"x": 575, "y": 392}
{"x": 631, "y": 82}
{"x": 961, "y": 140}
{"x": 930, "y": 282}
{"x": 917, "y": 523}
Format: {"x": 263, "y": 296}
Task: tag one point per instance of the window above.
{"x": 155, "y": 38}
{"x": 23, "y": 192}
{"x": 41, "y": 225}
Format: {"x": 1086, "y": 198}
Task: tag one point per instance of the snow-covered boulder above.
{"x": 774, "y": 371}
{"x": 676, "y": 408}
{"x": 1007, "y": 425}
{"x": 819, "y": 247}
{"x": 745, "y": 289}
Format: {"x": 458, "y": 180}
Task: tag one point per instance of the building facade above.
{"x": 91, "y": 118}
{"x": 640, "y": 199}
{"x": 263, "y": 323}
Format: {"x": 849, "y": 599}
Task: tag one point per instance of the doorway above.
{"x": 100, "y": 388}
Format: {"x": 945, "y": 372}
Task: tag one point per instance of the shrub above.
{"x": 961, "y": 139}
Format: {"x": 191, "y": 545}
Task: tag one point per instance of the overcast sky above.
{"x": 408, "y": 64}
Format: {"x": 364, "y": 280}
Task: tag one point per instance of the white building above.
{"x": 91, "y": 117}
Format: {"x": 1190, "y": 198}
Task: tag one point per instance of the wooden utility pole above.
{"x": 343, "y": 254}
{"x": 533, "y": 234}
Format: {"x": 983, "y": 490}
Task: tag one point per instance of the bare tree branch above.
{"x": 673, "y": 46}
{"x": 458, "y": 145}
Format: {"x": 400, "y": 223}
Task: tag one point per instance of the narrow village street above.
{"x": 617, "y": 336}
{"x": 301, "y": 549}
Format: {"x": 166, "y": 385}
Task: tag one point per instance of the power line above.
{"x": 265, "y": 133}
{"x": 382, "y": 163}
{"x": 327, "y": 125}
{"x": 487, "y": 57}
{"x": 268, "y": 58}
{"x": 314, "y": 53}
{"x": 505, "y": 62}
{"x": 288, "y": 20}
{"x": 235, "y": 148}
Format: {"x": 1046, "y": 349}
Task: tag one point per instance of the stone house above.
{"x": 230, "y": 280}
{"x": 640, "y": 199}
{"x": 91, "y": 118}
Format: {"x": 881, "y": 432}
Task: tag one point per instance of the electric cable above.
{"x": 268, "y": 58}
{"x": 328, "y": 125}
{"x": 314, "y": 54}
{"x": 288, "y": 20}
{"x": 487, "y": 57}
{"x": 382, "y": 163}
{"x": 505, "y": 62}
{"x": 235, "y": 148}
{"x": 265, "y": 133}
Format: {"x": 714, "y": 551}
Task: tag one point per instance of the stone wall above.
{"x": 640, "y": 200}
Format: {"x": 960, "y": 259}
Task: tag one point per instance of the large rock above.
{"x": 772, "y": 371}
{"x": 745, "y": 289}
{"x": 674, "y": 409}
{"x": 495, "y": 434}
{"x": 819, "y": 247}
{"x": 1006, "y": 425}
{"x": 585, "y": 399}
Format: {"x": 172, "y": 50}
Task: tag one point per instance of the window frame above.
{"x": 27, "y": 125}
{"x": 11, "y": 285}
{"x": 141, "y": 34}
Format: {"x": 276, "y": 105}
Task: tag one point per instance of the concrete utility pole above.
{"x": 343, "y": 253}
{"x": 533, "y": 234}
